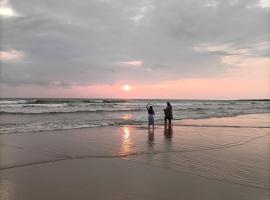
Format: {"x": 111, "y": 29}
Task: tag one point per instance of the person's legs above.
{"x": 165, "y": 119}
{"x": 151, "y": 121}
{"x": 170, "y": 120}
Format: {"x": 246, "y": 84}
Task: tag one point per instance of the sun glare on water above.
{"x": 126, "y": 88}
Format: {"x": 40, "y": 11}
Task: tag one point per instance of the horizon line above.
{"x": 186, "y": 99}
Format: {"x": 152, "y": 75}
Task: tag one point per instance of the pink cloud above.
{"x": 135, "y": 63}
{"x": 12, "y": 55}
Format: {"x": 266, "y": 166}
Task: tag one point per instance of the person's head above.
{"x": 168, "y": 104}
{"x": 151, "y": 108}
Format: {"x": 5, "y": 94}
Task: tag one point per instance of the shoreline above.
{"x": 176, "y": 122}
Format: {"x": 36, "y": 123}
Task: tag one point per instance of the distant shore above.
{"x": 165, "y": 99}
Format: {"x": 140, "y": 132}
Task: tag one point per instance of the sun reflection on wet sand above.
{"x": 126, "y": 142}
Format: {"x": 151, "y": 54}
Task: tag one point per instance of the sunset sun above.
{"x": 126, "y": 88}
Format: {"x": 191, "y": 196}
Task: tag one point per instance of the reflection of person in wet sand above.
{"x": 168, "y": 131}
{"x": 150, "y": 146}
{"x": 151, "y": 137}
{"x": 167, "y": 145}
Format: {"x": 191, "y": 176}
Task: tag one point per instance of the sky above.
{"x": 188, "y": 49}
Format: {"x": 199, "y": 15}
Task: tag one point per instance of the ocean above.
{"x": 34, "y": 115}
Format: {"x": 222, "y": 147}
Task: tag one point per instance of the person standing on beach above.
{"x": 151, "y": 114}
{"x": 168, "y": 113}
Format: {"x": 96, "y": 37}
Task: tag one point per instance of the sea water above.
{"x": 34, "y": 115}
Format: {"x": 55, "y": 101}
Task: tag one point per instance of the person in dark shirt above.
{"x": 151, "y": 113}
{"x": 168, "y": 113}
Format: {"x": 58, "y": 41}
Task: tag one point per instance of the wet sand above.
{"x": 218, "y": 158}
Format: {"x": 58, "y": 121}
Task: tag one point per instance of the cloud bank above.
{"x": 67, "y": 43}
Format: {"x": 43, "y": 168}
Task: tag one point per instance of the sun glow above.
{"x": 6, "y": 10}
{"x": 126, "y": 88}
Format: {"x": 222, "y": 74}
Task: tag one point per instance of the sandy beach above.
{"x": 216, "y": 158}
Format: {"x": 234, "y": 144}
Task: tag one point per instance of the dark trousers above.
{"x": 169, "y": 119}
